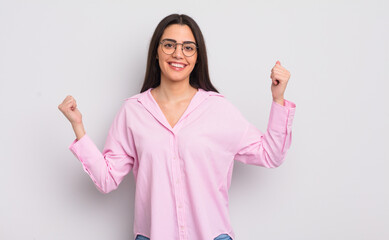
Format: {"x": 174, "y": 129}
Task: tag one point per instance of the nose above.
{"x": 178, "y": 51}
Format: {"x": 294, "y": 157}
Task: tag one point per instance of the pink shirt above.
{"x": 183, "y": 174}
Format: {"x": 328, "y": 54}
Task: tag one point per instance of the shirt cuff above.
{"x": 281, "y": 117}
{"x": 73, "y": 146}
{"x": 84, "y": 150}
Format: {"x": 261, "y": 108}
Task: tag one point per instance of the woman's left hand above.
{"x": 279, "y": 76}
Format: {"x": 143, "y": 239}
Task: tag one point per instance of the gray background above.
{"x": 334, "y": 182}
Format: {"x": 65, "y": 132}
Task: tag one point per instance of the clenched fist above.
{"x": 280, "y": 77}
{"x": 69, "y": 108}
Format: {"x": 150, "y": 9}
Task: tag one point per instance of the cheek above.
{"x": 195, "y": 60}
{"x": 192, "y": 66}
{"x": 160, "y": 56}
{"x": 161, "y": 62}
{"x": 194, "y": 63}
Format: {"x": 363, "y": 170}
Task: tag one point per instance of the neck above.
{"x": 174, "y": 91}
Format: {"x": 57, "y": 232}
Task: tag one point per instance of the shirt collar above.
{"x": 147, "y": 100}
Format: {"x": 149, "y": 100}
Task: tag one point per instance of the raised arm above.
{"x": 107, "y": 168}
{"x": 268, "y": 149}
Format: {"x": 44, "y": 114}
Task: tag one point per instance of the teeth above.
{"x": 177, "y": 65}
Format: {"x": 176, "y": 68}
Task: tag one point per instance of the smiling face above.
{"x": 176, "y": 66}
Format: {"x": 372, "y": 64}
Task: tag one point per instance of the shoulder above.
{"x": 224, "y": 111}
{"x": 130, "y": 103}
{"x": 212, "y": 96}
{"x": 222, "y": 103}
{"x": 213, "y": 93}
{"x": 134, "y": 97}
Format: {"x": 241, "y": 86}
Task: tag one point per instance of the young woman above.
{"x": 180, "y": 137}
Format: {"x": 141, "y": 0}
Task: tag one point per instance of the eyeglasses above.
{"x": 169, "y": 47}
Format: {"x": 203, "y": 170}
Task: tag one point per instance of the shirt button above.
{"x": 180, "y": 206}
{"x": 182, "y": 227}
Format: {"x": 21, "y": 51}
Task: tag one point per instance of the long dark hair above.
{"x": 199, "y": 77}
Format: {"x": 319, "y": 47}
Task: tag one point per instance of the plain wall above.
{"x": 334, "y": 181}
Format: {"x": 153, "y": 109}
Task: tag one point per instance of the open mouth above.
{"x": 177, "y": 66}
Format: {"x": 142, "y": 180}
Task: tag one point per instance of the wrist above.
{"x": 78, "y": 130}
{"x": 77, "y": 124}
{"x": 279, "y": 101}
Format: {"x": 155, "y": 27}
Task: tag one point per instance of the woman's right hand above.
{"x": 69, "y": 108}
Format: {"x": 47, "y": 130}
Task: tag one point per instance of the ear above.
{"x": 156, "y": 56}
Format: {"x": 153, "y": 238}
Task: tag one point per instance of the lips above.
{"x": 177, "y": 66}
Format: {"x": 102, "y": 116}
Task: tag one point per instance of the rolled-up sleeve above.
{"x": 108, "y": 168}
{"x": 268, "y": 149}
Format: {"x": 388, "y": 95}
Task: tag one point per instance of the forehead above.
{"x": 180, "y": 33}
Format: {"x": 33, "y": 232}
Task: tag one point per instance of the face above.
{"x": 177, "y": 66}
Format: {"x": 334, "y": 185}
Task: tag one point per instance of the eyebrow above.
{"x": 176, "y": 40}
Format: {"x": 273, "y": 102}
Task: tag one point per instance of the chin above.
{"x": 176, "y": 77}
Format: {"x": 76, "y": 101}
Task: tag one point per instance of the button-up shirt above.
{"x": 183, "y": 173}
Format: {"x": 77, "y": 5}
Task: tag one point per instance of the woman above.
{"x": 180, "y": 137}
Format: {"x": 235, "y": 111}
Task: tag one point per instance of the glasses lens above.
{"x": 168, "y": 47}
{"x": 189, "y": 49}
